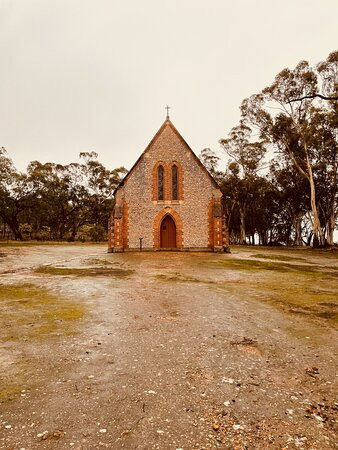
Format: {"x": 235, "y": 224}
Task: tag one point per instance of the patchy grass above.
{"x": 99, "y": 261}
{"x": 299, "y": 297}
{"x": 306, "y": 252}
{"x": 32, "y": 313}
{"x": 85, "y": 271}
{"x": 254, "y": 265}
{"x": 307, "y": 288}
{"x": 303, "y": 289}
{"x": 71, "y": 313}
{"x": 279, "y": 257}
{"x": 10, "y": 391}
{"x": 177, "y": 277}
{"x": 296, "y": 292}
{"x": 35, "y": 243}
{"x": 14, "y": 292}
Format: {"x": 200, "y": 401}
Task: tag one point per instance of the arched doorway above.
{"x": 168, "y": 233}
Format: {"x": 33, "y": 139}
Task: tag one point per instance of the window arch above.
{"x": 174, "y": 182}
{"x": 160, "y": 183}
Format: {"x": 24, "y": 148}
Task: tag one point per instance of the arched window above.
{"x": 160, "y": 183}
{"x": 174, "y": 183}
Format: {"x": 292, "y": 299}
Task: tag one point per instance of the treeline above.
{"x": 280, "y": 184}
{"x": 54, "y": 201}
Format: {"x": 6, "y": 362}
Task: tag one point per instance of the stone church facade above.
{"x": 168, "y": 200}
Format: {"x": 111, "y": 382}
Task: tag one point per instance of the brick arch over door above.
{"x": 157, "y": 227}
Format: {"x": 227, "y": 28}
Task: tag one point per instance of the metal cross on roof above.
{"x": 167, "y": 108}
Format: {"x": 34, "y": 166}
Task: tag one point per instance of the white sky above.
{"x": 82, "y": 75}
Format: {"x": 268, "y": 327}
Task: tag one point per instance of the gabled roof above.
{"x": 166, "y": 123}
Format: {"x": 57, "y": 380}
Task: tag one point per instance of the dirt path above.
{"x": 160, "y": 351}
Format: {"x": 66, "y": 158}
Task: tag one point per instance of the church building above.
{"x": 167, "y": 201}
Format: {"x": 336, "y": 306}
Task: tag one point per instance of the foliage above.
{"x": 53, "y": 201}
{"x": 295, "y": 201}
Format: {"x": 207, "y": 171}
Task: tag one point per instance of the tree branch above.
{"x": 324, "y": 97}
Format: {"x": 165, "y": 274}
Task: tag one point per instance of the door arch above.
{"x": 168, "y": 232}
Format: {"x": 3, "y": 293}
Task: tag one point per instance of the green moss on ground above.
{"x": 99, "y": 261}
{"x": 254, "y": 265}
{"x": 177, "y": 277}
{"x": 9, "y": 391}
{"x": 279, "y": 257}
{"x": 32, "y": 313}
{"x": 299, "y": 297}
{"x": 304, "y": 252}
{"x": 38, "y": 243}
{"x": 85, "y": 271}
{"x": 307, "y": 289}
{"x": 19, "y": 292}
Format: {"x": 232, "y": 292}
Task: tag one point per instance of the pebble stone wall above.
{"x": 142, "y": 213}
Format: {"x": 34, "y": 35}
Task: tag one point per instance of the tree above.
{"x": 294, "y": 129}
{"x": 328, "y": 71}
{"x": 210, "y": 160}
{"x": 247, "y": 159}
{"x": 293, "y": 197}
{"x": 55, "y": 200}
{"x": 100, "y": 183}
{"x": 15, "y": 193}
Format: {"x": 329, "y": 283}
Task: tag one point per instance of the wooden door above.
{"x": 168, "y": 233}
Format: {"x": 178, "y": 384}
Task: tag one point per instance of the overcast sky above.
{"x": 82, "y": 75}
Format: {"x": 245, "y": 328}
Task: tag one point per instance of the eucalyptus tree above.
{"x": 210, "y": 160}
{"x": 100, "y": 183}
{"x": 16, "y": 192}
{"x": 246, "y": 160}
{"x": 289, "y": 115}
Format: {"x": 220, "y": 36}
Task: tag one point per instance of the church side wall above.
{"x": 198, "y": 191}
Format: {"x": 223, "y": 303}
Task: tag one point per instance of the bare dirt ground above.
{"x": 167, "y": 350}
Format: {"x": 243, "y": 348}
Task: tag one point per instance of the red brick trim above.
{"x": 157, "y": 224}
{"x": 211, "y": 224}
{"x": 226, "y": 237}
{"x": 118, "y": 227}
{"x": 111, "y": 231}
{"x": 120, "y": 235}
{"x": 216, "y": 232}
{"x": 125, "y": 226}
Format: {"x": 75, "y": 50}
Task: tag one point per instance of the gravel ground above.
{"x": 164, "y": 350}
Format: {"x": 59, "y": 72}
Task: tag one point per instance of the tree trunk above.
{"x": 297, "y": 223}
{"x": 287, "y": 235}
{"x": 61, "y": 232}
{"x": 318, "y": 238}
{"x": 14, "y": 226}
{"x": 242, "y": 237}
{"x": 330, "y": 228}
{"x": 264, "y": 238}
